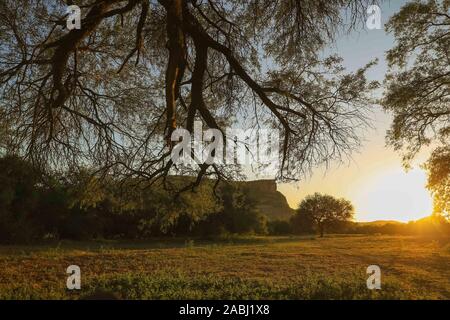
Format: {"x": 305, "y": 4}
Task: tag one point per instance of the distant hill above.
{"x": 379, "y": 223}
{"x": 270, "y": 201}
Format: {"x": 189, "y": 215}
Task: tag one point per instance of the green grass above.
{"x": 234, "y": 268}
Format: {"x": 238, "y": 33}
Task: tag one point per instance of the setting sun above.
{"x": 387, "y": 192}
{"x": 393, "y": 194}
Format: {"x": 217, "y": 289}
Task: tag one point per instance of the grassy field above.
{"x": 248, "y": 268}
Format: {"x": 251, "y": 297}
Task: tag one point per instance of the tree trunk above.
{"x": 176, "y": 63}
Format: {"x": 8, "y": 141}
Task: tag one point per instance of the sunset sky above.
{"x": 373, "y": 179}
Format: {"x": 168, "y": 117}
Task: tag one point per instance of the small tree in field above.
{"x": 325, "y": 210}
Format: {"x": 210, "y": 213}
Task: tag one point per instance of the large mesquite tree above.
{"x": 105, "y": 94}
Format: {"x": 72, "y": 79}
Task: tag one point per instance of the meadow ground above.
{"x": 333, "y": 267}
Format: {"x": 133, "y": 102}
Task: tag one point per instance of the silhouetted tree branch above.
{"x": 73, "y": 97}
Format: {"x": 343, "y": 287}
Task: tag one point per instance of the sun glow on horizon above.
{"x": 393, "y": 194}
{"x": 384, "y": 193}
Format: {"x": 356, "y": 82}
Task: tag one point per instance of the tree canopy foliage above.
{"x": 439, "y": 180}
{"x": 110, "y": 94}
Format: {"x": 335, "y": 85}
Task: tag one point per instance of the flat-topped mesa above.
{"x": 269, "y": 201}
{"x": 262, "y": 185}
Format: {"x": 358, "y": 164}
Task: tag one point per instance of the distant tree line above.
{"x": 36, "y": 206}
{"x": 433, "y": 226}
